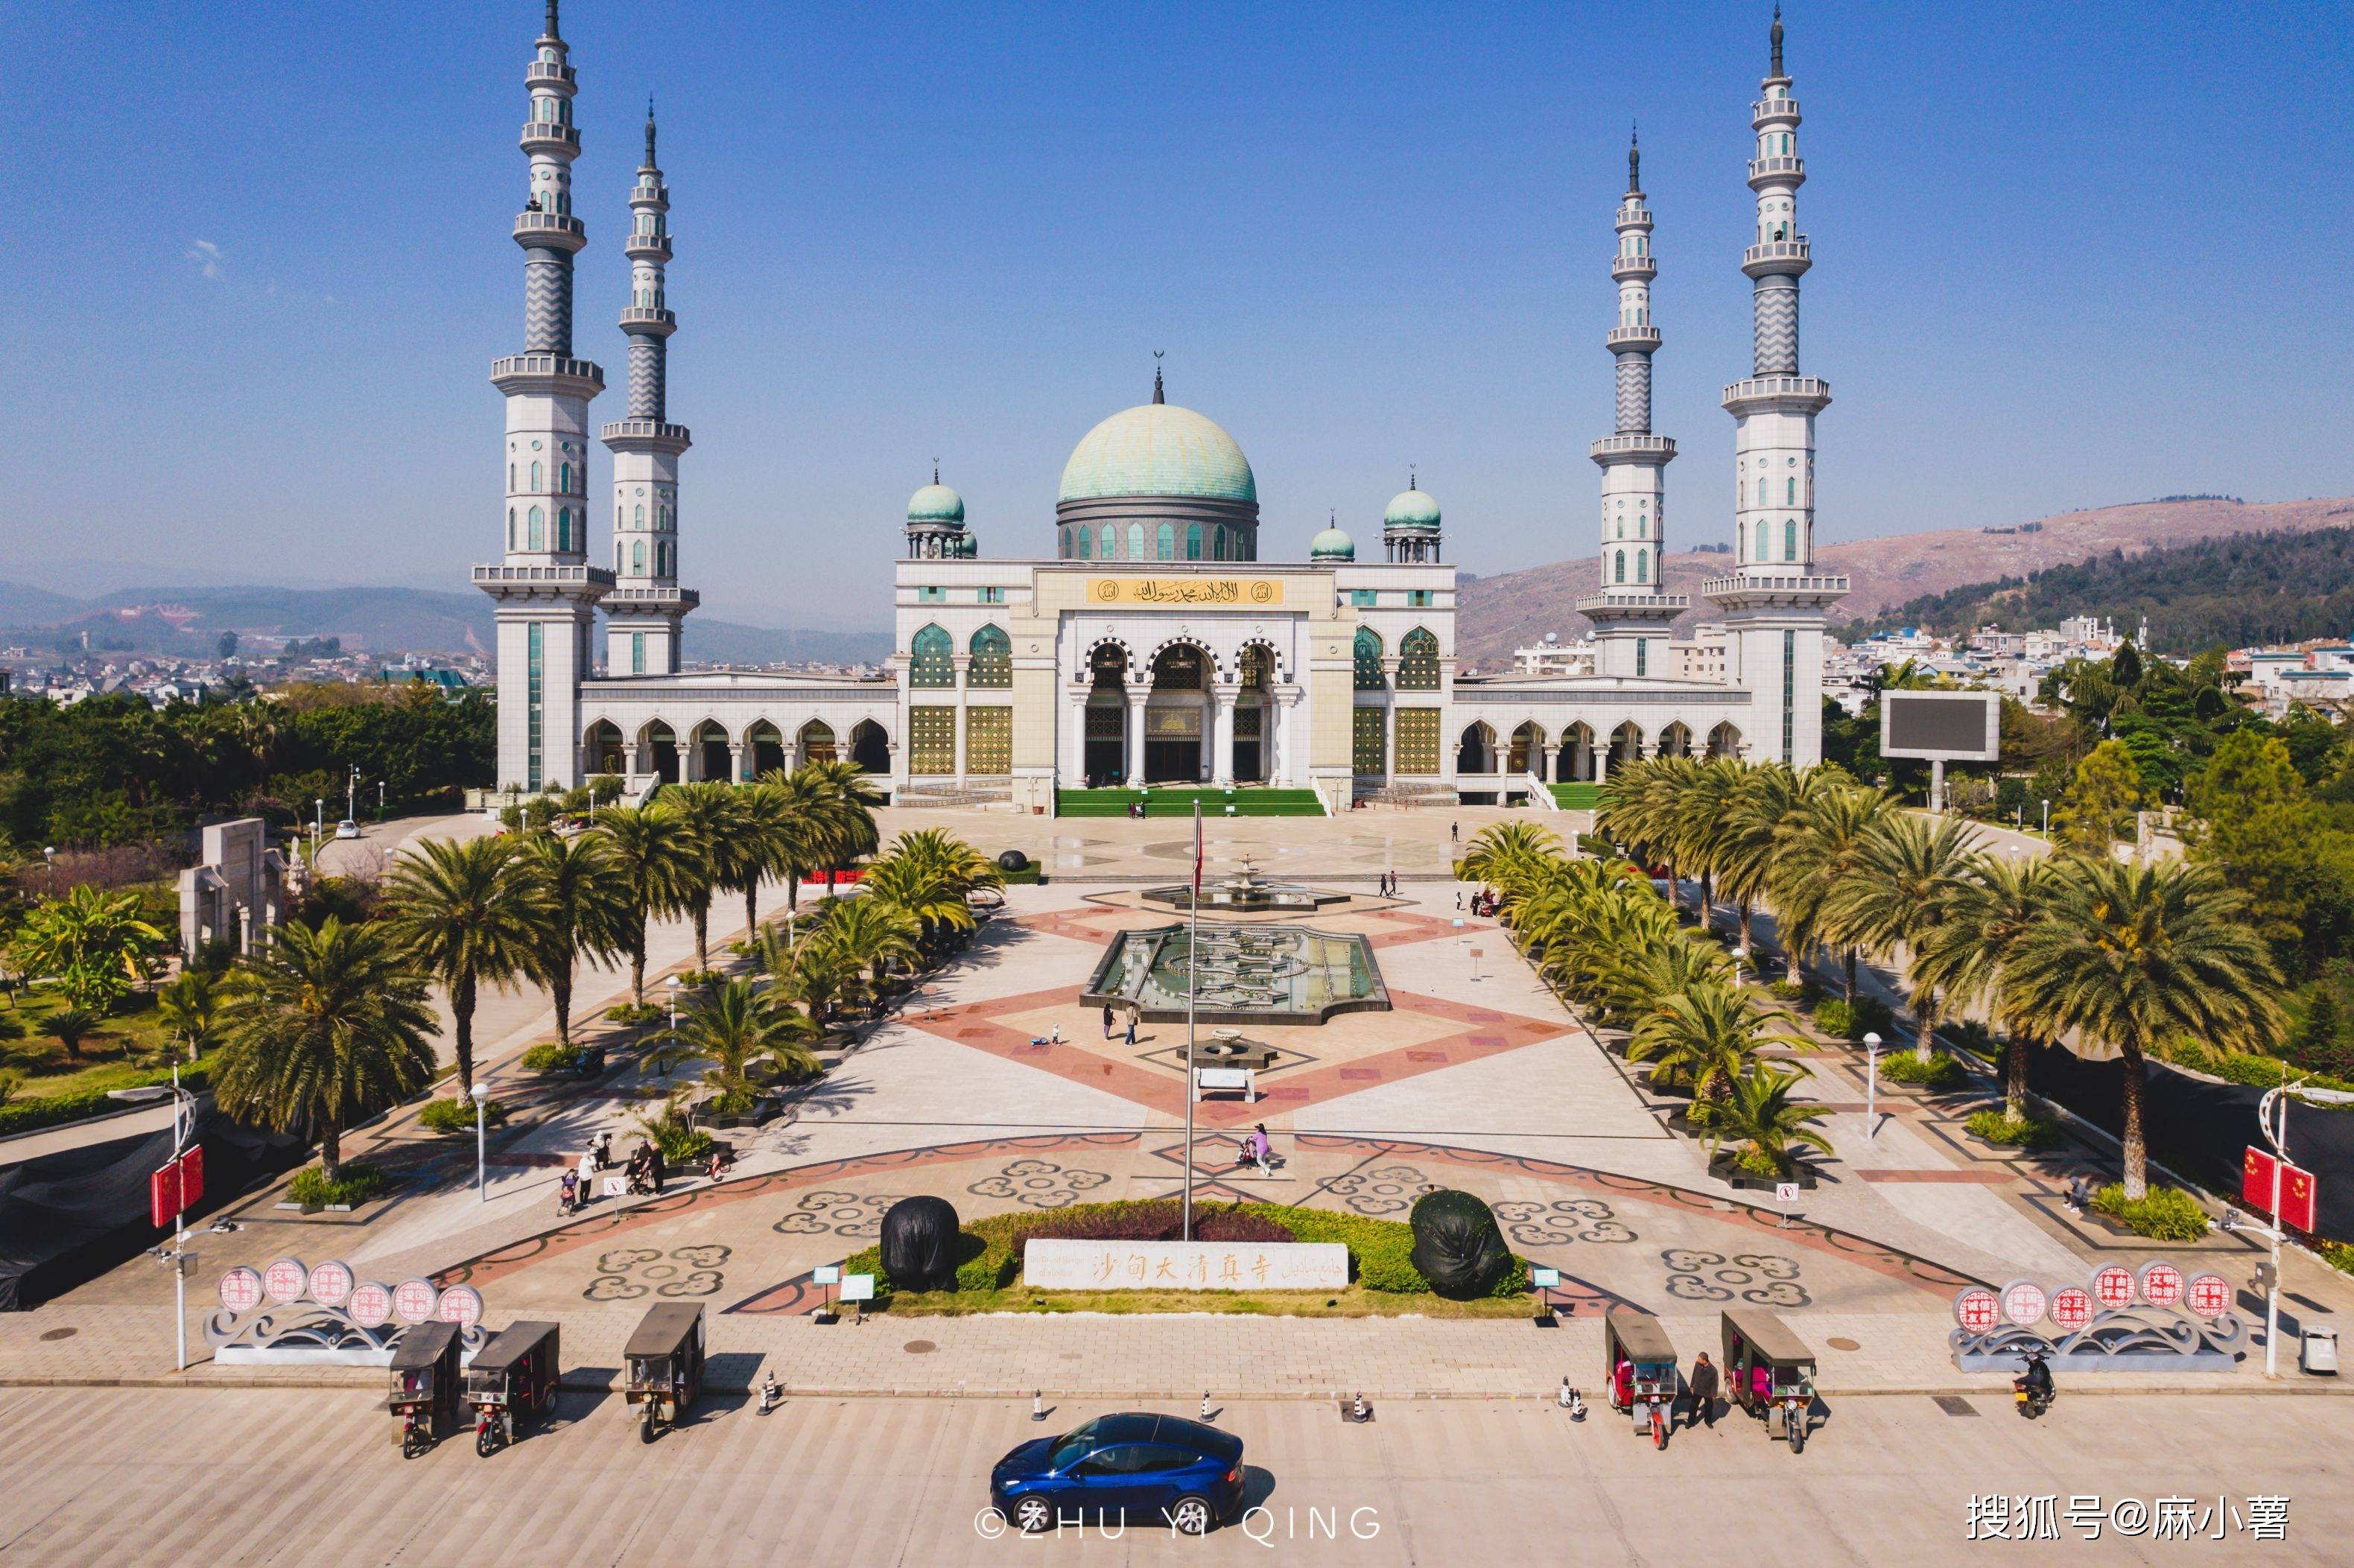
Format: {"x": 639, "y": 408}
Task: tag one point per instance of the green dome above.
{"x": 1158, "y": 449}
{"x": 1411, "y": 508}
{"x": 936, "y": 503}
{"x": 1332, "y": 544}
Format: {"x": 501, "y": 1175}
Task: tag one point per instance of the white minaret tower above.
{"x": 1631, "y": 617}
{"x": 643, "y": 612}
{"x": 1774, "y": 602}
{"x": 545, "y": 588}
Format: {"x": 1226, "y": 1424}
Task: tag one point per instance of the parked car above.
{"x": 1134, "y": 1465}
{"x": 347, "y": 829}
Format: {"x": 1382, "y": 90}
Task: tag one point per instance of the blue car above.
{"x": 1134, "y": 1465}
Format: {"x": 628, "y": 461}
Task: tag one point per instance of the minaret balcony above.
{"x": 548, "y": 74}
{"x": 1789, "y": 256}
{"x": 550, "y": 230}
{"x": 550, "y": 135}
{"x": 640, "y": 598}
{"x": 1634, "y": 339}
{"x": 1632, "y": 603}
{"x": 651, "y": 247}
{"x": 555, "y": 580}
{"x": 649, "y": 321}
{"x": 645, "y": 435}
{"x": 1625, "y": 267}
{"x": 1777, "y": 394}
{"x": 1776, "y": 171}
{"x": 1643, "y": 448}
{"x": 652, "y": 198}
{"x": 1633, "y": 217}
{"x": 1772, "y": 112}
{"x": 554, "y": 374}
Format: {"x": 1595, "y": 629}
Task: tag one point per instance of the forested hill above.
{"x": 2248, "y": 589}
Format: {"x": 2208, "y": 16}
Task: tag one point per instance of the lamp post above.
{"x": 379, "y": 799}
{"x": 481, "y": 1094}
{"x": 351, "y": 792}
{"x": 671, "y": 986}
{"x": 1871, "y": 1084}
{"x": 2047, "y": 819}
{"x": 318, "y": 825}
{"x": 2272, "y": 1119}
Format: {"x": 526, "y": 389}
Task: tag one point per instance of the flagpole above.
{"x": 1193, "y": 982}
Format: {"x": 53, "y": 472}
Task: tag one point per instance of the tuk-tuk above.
{"x": 514, "y": 1375}
{"x": 1769, "y": 1372}
{"x": 1640, "y": 1366}
{"x": 424, "y": 1384}
{"x": 666, "y": 1363}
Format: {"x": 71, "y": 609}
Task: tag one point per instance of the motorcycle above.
{"x": 2033, "y": 1390}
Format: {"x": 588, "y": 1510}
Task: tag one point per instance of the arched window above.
{"x": 1217, "y": 542}
{"x": 666, "y": 559}
{"x": 1764, "y": 552}
{"x": 616, "y": 514}
{"x": 931, "y": 658}
{"x": 1792, "y": 500}
{"x": 1067, "y": 543}
{"x": 993, "y": 659}
{"x": 638, "y": 558}
{"x": 1369, "y": 659}
{"x": 1761, "y": 491}
{"x": 1643, "y": 566}
{"x": 1418, "y": 661}
{"x": 534, "y": 474}
{"x": 1618, "y": 571}
{"x": 511, "y": 531}
{"x": 1165, "y": 542}
{"x": 564, "y": 478}
{"x": 1136, "y": 541}
{"x": 1790, "y": 539}
{"x": 510, "y": 476}
{"x": 639, "y": 517}
{"x": 1086, "y": 542}
{"x": 1192, "y": 541}
{"x": 620, "y": 558}
{"x": 564, "y": 528}
{"x": 536, "y": 524}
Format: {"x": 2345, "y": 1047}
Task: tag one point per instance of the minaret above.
{"x": 545, "y": 588}
{"x": 643, "y": 612}
{"x": 1775, "y": 600}
{"x": 1631, "y": 617}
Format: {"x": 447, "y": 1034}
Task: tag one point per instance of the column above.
{"x": 735, "y": 762}
{"x": 963, "y": 668}
{"x": 1135, "y": 735}
{"x": 1071, "y": 766}
{"x": 1222, "y": 756}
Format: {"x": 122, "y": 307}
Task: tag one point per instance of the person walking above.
{"x": 1454, "y": 833}
{"x": 1703, "y": 1393}
{"x": 1106, "y": 1021}
{"x": 1131, "y": 1026}
{"x": 588, "y": 1175}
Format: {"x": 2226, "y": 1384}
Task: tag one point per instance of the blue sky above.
{"x": 2065, "y": 256}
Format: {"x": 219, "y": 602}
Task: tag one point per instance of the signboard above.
{"x": 1209, "y": 593}
{"x": 461, "y": 1305}
{"x": 616, "y": 1186}
{"x": 1786, "y": 1192}
{"x": 240, "y": 1289}
{"x": 1052, "y": 1265}
{"x": 1941, "y": 726}
{"x": 2072, "y": 1307}
{"x": 2161, "y": 1284}
{"x": 371, "y": 1304}
{"x": 1978, "y": 1310}
{"x": 858, "y": 1287}
{"x": 826, "y": 1274}
{"x": 175, "y": 1189}
{"x": 285, "y": 1280}
{"x": 2024, "y": 1303}
{"x": 2209, "y": 1296}
{"x": 2296, "y": 1190}
{"x": 1543, "y": 1278}
{"x": 330, "y": 1283}
{"x": 2113, "y": 1286}
{"x": 413, "y": 1300}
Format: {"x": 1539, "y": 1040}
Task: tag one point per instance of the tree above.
{"x": 1899, "y": 890}
{"x": 1703, "y": 1035}
{"x": 92, "y": 942}
{"x": 2317, "y": 1043}
{"x": 707, "y": 816}
{"x": 190, "y": 1008}
{"x": 767, "y": 834}
{"x": 323, "y": 1029}
{"x": 2253, "y": 819}
{"x": 70, "y": 1026}
{"x": 1771, "y": 1126}
{"x": 651, "y": 852}
{"x": 2098, "y": 808}
{"x": 865, "y": 938}
{"x": 1816, "y": 849}
{"x": 932, "y": 875}
{"x": 1972, "y": 952}
{"x": 587, "y": 914}
{"x": 846, "y": 826}
{"x": 2126, "y": 958}
{"x": 468, "y": 913}
{"x": 736, "y": 1025}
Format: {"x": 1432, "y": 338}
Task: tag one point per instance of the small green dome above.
{"x": 936, "y": 503}
{"x": 1332, "y": 544}
{"x": 1158, "y": 449}
{"x": 1411, "y": 508}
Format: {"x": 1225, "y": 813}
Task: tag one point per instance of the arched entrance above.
{"x": 1574, "y": 761}
{"x": 1254, "y": 734}
{"x": 1527, "y": 754}
{"x": 1626, "y": 744}
{"x": 1723, "y": 741}
{"x": 658, "y": 752}
{"x": 870, "y": 748}
{"x": 1676, "y": 740}
{"x": 1175, "y": 714}
{"x": 764, "y": 750}
{"x": 816, "y": 741}
{"x": 603, "y": 747}
{"x": 711, "y": 758}
{"x": 1477, "y": 753}
{"x": 1106, "y": 748}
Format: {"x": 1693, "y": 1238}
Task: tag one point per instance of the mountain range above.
{"x": 1513, "y": 609}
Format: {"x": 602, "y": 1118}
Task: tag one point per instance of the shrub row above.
{"x": 29, "y": 1113}
{"x": 456, "y": 1114}
{"x": 355, "y": 1182}
{"x": 2168, "y": 1214}
{"x": 1941, "y": 1073}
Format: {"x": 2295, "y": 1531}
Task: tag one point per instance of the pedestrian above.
{"x": 1106, "y": 1021}
{"x": 1454, "y": 833}
{"x": 1131, "y": 1026}
{"x": 2080, "y": 1193}
{"x": 1704, "y": 1392}
{"x": 588, "y": 1175}
{"x": 1054, "y": 1037}
{"x": 1458, "y": 901}
{"x": 1258, "y": 1150}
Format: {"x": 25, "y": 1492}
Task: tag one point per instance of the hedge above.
{"x": 2166, "y": 1213}
{"x": 355, "y": 1182}
{"x": 28, "y": 1113}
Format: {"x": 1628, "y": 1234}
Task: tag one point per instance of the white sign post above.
{"x": 858, "y": 1287}
{"x": 1784, "y": 1194}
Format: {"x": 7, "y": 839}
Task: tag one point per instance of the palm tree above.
{"x": 1703, "y": 1035}
{"x": 1971, "y": 953}
{"x": 190, "y": 1008}
{"x": 1638, "y": 808}
{"x": 1767, "y": 794}
{"x": 1700, "y": 822}
{"x": 323, "y": 1029}
{"x": 1504, "y": 854}
{"x": 467, "y": 913}
{"x": 768, "y": 833}
{"x": 1634, "y": 980}
{"x": 2128, "y": 957}
{"x": 70, "y": 1026}
{"x": 706, "y": 816}
{"x": 1760, "y": 1115}
{"x": 932, "y": 875}
{"x": 1816, "y": 849}
{"x": 93, "y": 942}
{"x": 865, "y": 937}
{"x": 1898, "y": 891}
{"x": 845, "y": 829}
{"x": 587, "y": 914}
{"x": 736, "y": 1025}
{"x": 650, "y": 854}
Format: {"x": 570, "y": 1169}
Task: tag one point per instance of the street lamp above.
{"x": 2047, "y": 819}
{"x": 318, "y": 825}
{"x": 351, "y": 792}
{"x": 379, "y": 799}
{"x": 1871, "y": 1084}
{"x": 481, "y": 1094}
{"x": 671, "y": 986}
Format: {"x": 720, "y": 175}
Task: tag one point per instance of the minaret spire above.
{"x": 1775, "y": 36}
{"x": 1635, "y": 162}
{"x": 1158, "y": 396}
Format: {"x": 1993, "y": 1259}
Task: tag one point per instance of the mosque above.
{"x": 1160, "y": 641}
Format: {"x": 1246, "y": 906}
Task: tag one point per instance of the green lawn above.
{"x": 111, "y": 1058}
{"x": 1249, "y": 801}
{"x": 1576, "y": 797}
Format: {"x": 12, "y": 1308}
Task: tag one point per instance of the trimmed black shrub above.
{"x": 1456, "y": 1246}
{"x": 1012, "y": 859}
{"x": 919, "y": 1244}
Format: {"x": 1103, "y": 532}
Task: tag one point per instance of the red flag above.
{"x": 2297, "y": 1192}
{"x": 177, "y": 1187}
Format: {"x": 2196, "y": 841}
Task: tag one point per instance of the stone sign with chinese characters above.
{"x": 1184, "y": 1265}
{"x": 1239, "y": 593}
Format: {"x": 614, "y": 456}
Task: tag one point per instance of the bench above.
{"x": 1226, "y": 1080}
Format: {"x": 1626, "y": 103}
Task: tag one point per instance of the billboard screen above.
{"x": 1956, "y": 727}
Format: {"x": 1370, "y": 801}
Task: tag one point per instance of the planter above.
{"x": 591, "y": 1066}
{"x": 763, "y": 1111}
{"x": 1722, "y": 1167}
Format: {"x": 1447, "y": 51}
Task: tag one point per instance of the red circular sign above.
{"x": 413, "y": 1300}
{"x": 1976, "y": 1309}
{"x": 2113, "y": 1286}
{"x": 240, "y": 1289}
{"x": 2161, "y": 1284}
{"x": 2209, "y": 1296}
{"x": 461, "y": 1305}
{"x": 2072, "y": 1307}
{"x": 285, "y": 1280}
{"x": 371, "y": 1304}
{"x": 330, "y": 1283}
{"x": 2024, "y": 1302}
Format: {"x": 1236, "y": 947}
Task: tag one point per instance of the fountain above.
{"x": 1245, "y": 974}
{"x": 1245, "y": 893}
